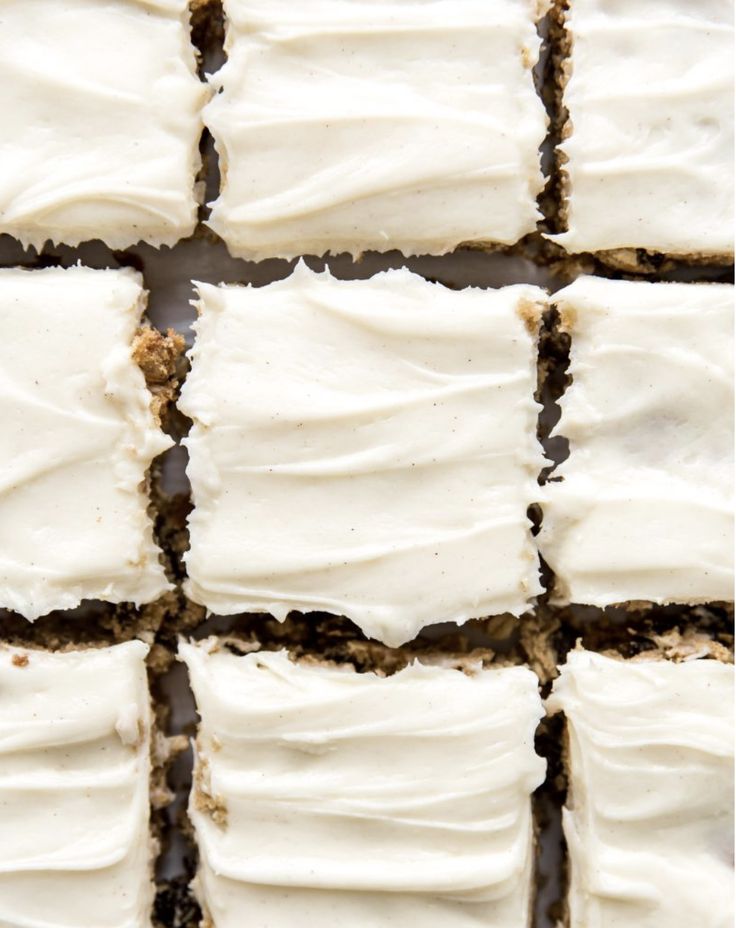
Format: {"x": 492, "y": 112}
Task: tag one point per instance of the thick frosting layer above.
{"x": 365, "y": 448}
{"x": 101, "y": 121}
{"x": 649, "y": 817}
{"x": 78, "y": 436}
{"x": 645, "y": 507}
{"x": 364, "y": 800}
{"x": 376, "y": 125}
{"x": 650, "y": 102}
{"x": 75, "y": 732}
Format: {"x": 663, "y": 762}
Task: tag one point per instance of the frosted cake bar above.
{"x": 644, "y": 510}
{"x": 323, "y": 795}
{"x": 356, "y": 126}
{"x": 648, "y": 156}
{"x": 365, "y": 448}
{"x": 78, "y": 436}
{"x": 75, "y": 736}
{"x": 649, "y": 817}
{"x": 101, "y": 114}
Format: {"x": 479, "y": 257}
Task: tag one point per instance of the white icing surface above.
{"x": 365, "y": 448}
{"x": 101, "y": 116}
{"x": 649, "y": 822}
{"x": 353, "y": 799}
{"x": 650, "y": 99}
{"x": 376, "y": 124}
{"x": 645, "y": 508}
{"x": 74, "y": 789}
{"x": 77, "y": 436}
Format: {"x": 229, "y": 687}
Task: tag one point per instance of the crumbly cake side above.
{"x": 662, "y": 643}
{"x": 642, "y": 261}
{"x": 92, "y": 622}
{"x": 330, "y": 644}
{"x": 556, "y": 74}
{"x": 377, "y": 663}
{"x": 664, "y": 632}
{"x": 647, "y": 263}
{"x": 171, "y": 907}
{"x": 161, "y": 358}
{"x": 553, "y": 379}
{"x": 208, "y": 25}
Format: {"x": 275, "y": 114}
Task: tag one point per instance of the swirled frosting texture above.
{"x": 101, "y": 119}
{"x": 77, "y": 437}
{"x": 649, "y": 817}
{"x": 376, "y": 125}
{"x": 359, "y": 799}
{"x": 74, "y": 788}
{"x": 650, "y": 102}
{"x": 365, "y": 448}
{"x": 645, "y": 507}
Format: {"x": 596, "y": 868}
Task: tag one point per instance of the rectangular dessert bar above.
{"x": 324, "y": 795}
{"x": 644, "y": 509}
{"x": 362, "y": 125}
{"x": 101, "y": 116}
{"x": 649, "y": 816}
{"x": 75, "y": 765}
{"x": 78, "y": 435}
{"x": 648, "y": 153}
{"x": 364, "y": 448}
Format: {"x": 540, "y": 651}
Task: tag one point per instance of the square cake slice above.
{"x": 649, "y": 815}
{"x": 365, "y": 448}
{"x": 77, "y": 436}
{"x": 75, "y": 738}
{"x": 648, "y": 150}
{"x": 644, "y": 509}
{"x": 324, "y": 795}
{"x": 361, "y": 125}
{"x": 101, "y": 121}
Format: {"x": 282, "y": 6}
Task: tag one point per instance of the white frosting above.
{"x": 75, "y": 850}
{"x": 354, "y": 799}
{"x": 364, "y": 125}
{"x": 365, "y": 448}
{"x": 650, "y": 99}
{"x": 101, "y": 119}
{"x": 649, "y": 817}
{"x": 77, "y": 438}
{"x": 645, "y": 508}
